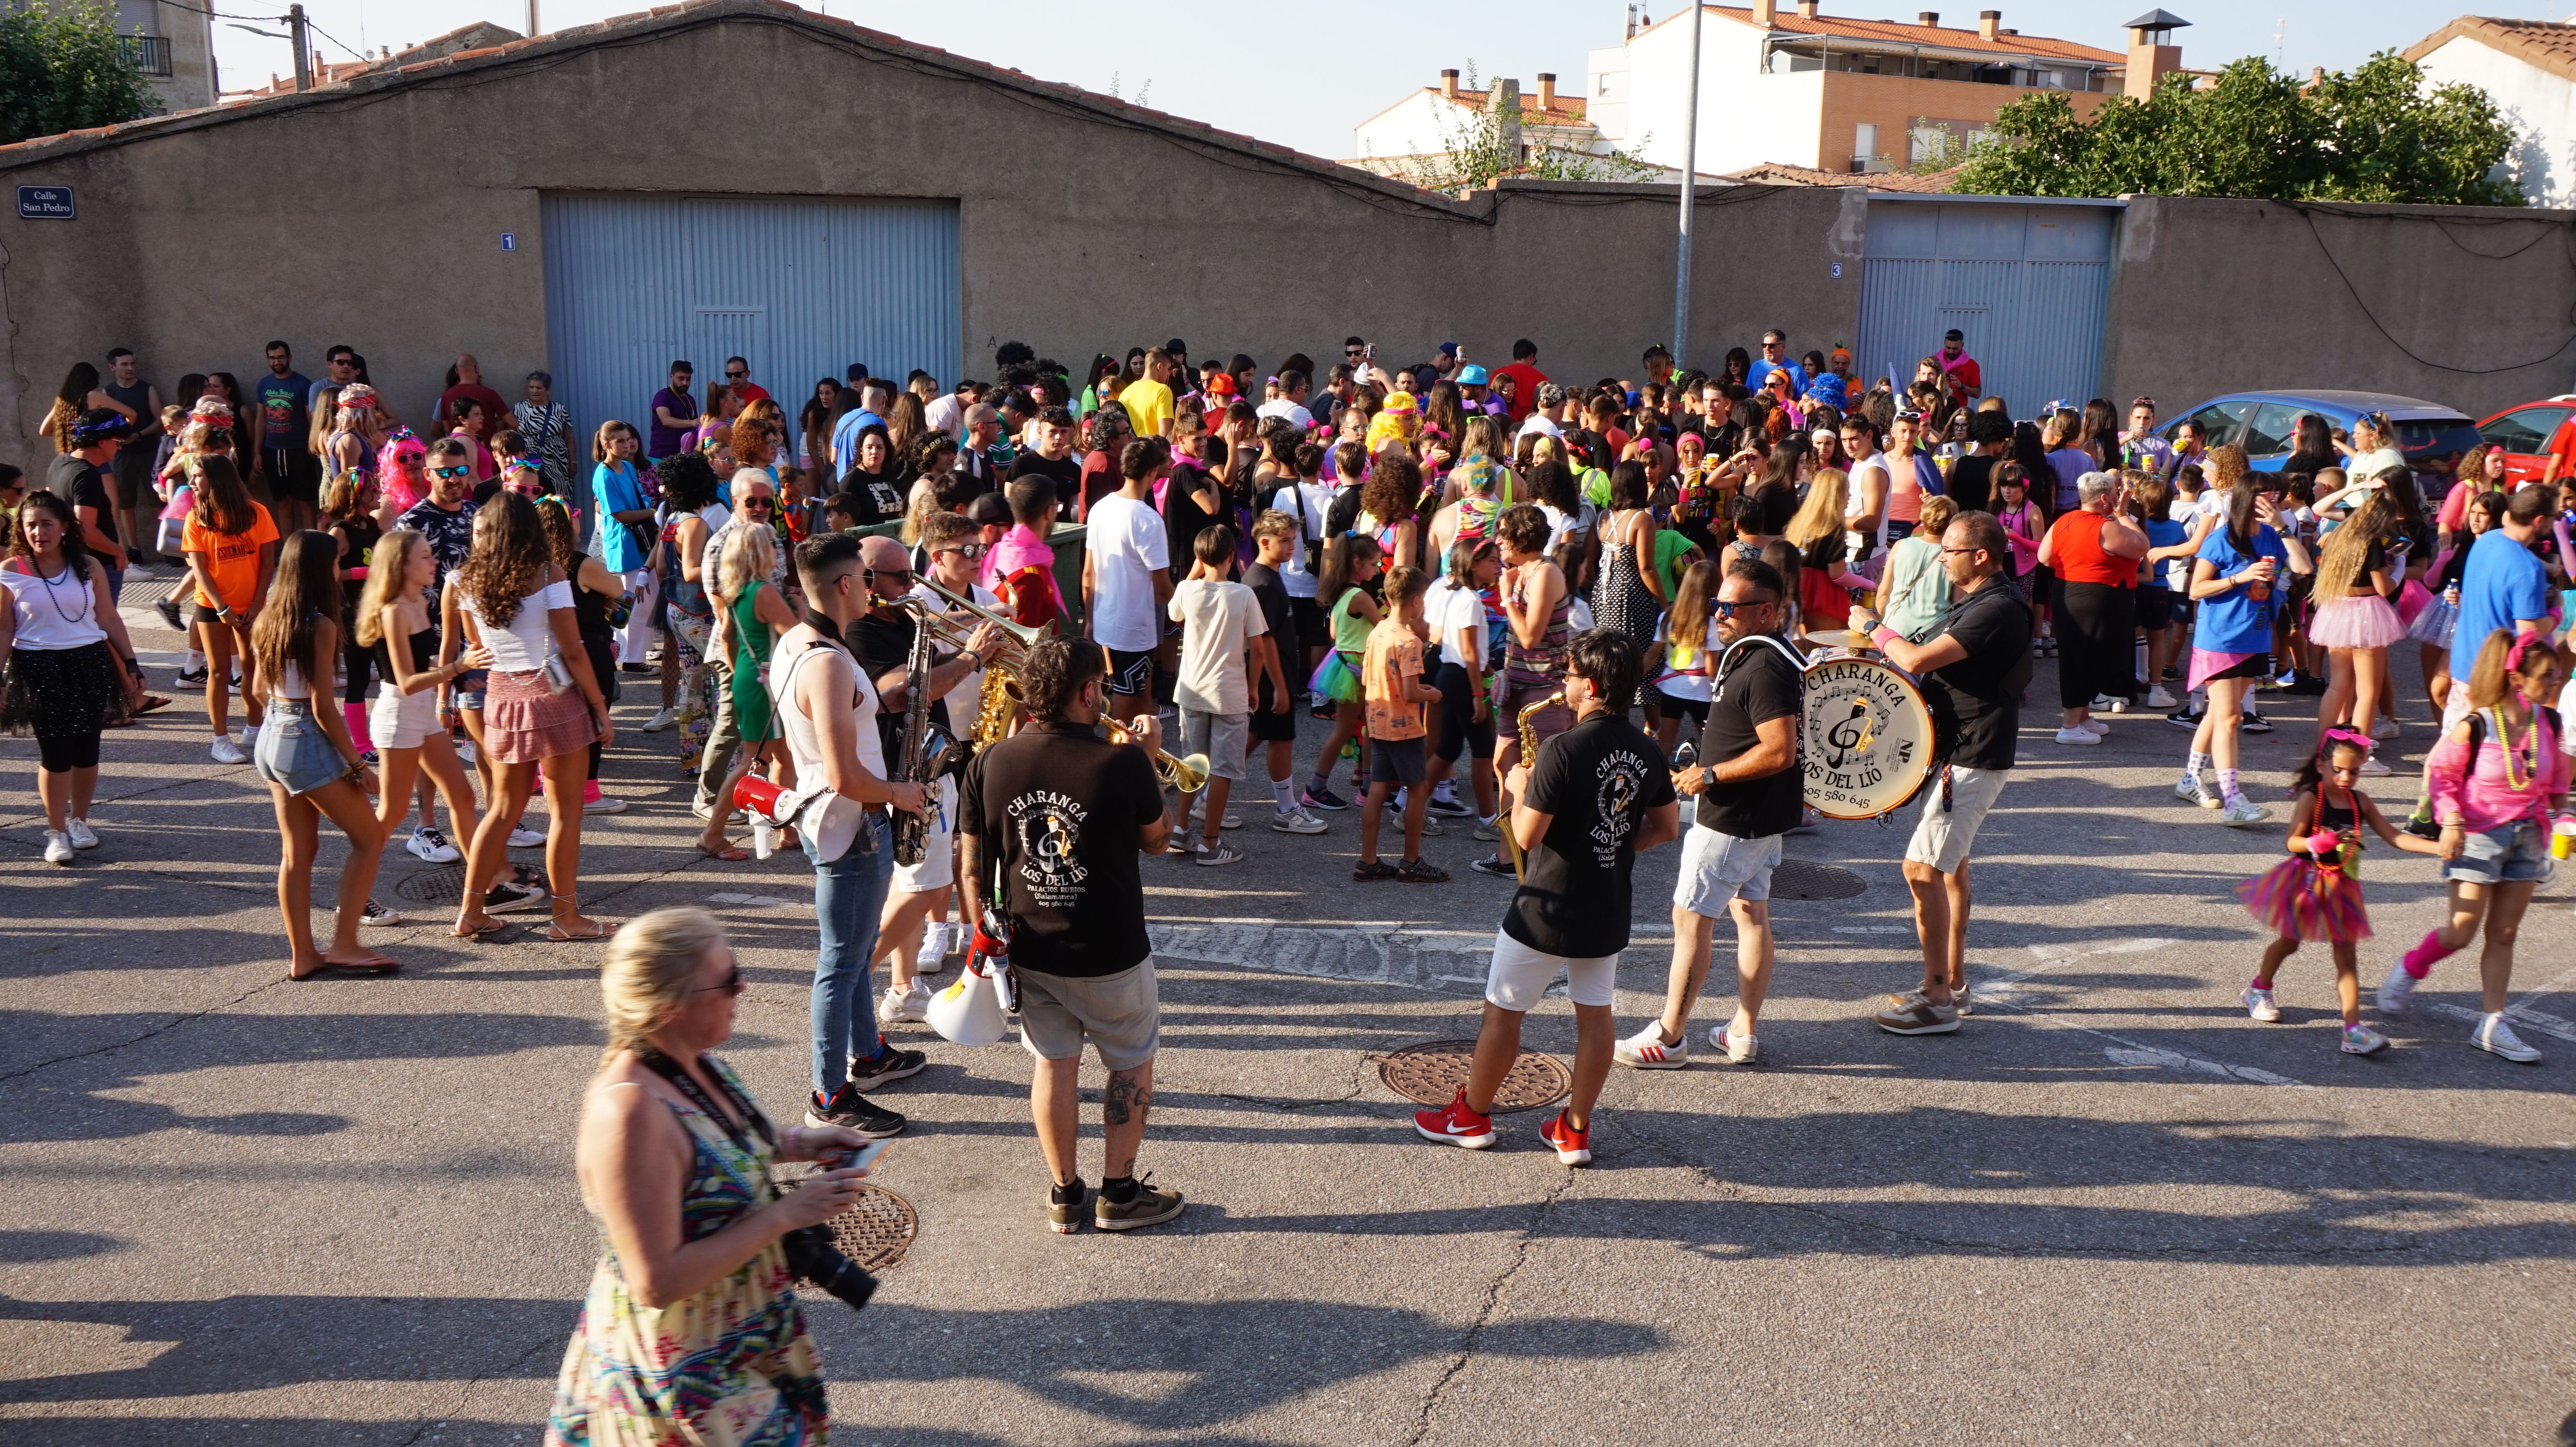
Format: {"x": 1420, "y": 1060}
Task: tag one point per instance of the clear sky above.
{"x": 1303, "y": 75}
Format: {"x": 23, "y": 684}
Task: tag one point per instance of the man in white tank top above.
{"x": 827, "y": 710}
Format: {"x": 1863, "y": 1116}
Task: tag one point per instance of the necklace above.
{"x": 49, "y": 591}
{"x": 2530, "y": 744}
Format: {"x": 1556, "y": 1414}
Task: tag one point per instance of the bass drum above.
{"x": 1870, "y": 742}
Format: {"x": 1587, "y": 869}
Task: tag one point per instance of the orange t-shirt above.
{"x": 232, "y": 559}
{"x": 1394, "y": 657}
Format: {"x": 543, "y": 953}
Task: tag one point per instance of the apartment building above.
{"x": 1797, "y": 86}
{"x": 1425, "y": 124}
{"x": 174, "y": 46}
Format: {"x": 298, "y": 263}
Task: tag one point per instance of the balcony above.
{"x": 149, "y": 54}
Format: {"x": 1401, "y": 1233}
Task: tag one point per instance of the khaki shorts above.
{"x": 1220, "y": 736}
{"x": 1942, "y": 838}
{"x": 1121, "y": 1014}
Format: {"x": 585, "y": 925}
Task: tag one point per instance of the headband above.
{"x": 2338, "y": 735}
{"x": 2522, "y": 644}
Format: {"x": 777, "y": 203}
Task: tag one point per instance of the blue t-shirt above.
{"x": 2502, "y": 584}
{"x": 285, "y": 408}
{"x": 2233, "y": 621}
{"x": 618, "y": 490}
{"x": 1761, "y": 370}
{"x": 2164, "y": 533}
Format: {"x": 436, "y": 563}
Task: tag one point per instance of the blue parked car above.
{"x": 2430, "y": 436}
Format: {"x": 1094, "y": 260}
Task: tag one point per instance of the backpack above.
{"x": 1342, "y": 517}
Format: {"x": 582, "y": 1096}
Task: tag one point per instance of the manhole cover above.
{"x": 1803, "y": 879}
{"x": 878, "y": 1230}
{"x": 433, "y": 886}
{"x": 1433, "y": 1072}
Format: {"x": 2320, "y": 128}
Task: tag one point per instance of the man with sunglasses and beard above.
{"x": 1751, "y": 791}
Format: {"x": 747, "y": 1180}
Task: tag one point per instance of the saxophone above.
{"x": 923, "y": 755}
{"x": 1527, "y": 720}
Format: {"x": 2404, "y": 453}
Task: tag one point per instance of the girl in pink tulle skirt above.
{"x": 2315, "y": 894}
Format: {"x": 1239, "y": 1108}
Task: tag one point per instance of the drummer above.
{"x": 1973, "y": 671}
{"x": 1750, "y": 790}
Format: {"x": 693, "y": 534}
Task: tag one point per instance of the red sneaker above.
{"x": 1574, "y": 1147}
{"x": 1454, "y": 1124}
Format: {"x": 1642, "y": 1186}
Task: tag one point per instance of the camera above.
{"x": 811, "y": 1255}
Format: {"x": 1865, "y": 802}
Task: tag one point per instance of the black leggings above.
{"x": 360, "y": 661}
{"x": 62, "y": 753}
{"x": 2097, "y": 643}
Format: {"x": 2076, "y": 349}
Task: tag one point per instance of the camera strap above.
{"x": 669, "y": 1069}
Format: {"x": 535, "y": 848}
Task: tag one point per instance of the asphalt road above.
{"x": 2110, "y": 1209}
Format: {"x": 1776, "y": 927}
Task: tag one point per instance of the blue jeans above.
{"x": 849, "y": 897}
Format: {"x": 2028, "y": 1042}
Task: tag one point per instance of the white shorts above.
{"x": 1520, "y": 976}
{"x": 938, "y": 866}
{"x": 398, "y": 720}
{"x": 1942, "y": 838}
{"x": 1719, "y": 867}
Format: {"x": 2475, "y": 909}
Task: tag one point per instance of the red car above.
{"x": 2524, "y": 432}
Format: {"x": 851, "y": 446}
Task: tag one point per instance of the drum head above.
{"x": 1868, "y": 739}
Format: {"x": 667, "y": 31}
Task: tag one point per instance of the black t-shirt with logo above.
{"x": 1058, "y": 808}
{"x": 1598, "y": 778}
{"x": 78, "y": 483}
{"x": 1981, "y": 693}
{"x": 1065, "y": 471}
{"x": 1761, "y": 685}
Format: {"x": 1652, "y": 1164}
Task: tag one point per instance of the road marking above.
{"x": 2556, "y": 1026}
{"x": 1999, "y": 989}
{"x": 1873, "y": 929}
{"x": 2133, "y": 1053}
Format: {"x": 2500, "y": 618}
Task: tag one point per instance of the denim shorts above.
{"x": 470, "y": 687}
{"x": 2512, "y": 853}
{"x": 293, "y": 751}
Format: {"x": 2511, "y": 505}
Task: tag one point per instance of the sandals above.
{"x": 1371, "y": 871}
{"x": 488, "y": 927}
{"x": 1415, "y": 871}
{"x": 599, "y": 930}
{"x": 730, "y": 854}
{"x": 332, "y": 969}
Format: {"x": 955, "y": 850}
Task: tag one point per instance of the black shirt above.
{"x": 1066, "y": 472}
{"x": 1760, "y": 686}
{"x": 1058, "y": 808}
{"x": 1979, "y": 697}
{"x": 1598, "y": 778}
{"x": 1971, "y": 483}
{"x": 1184, "y": 519}
{"x": 1278, "y": 612}
{"x": 883, "y": 645}
{"x": 874, "y": 497}
{"x": 78, "y": 483}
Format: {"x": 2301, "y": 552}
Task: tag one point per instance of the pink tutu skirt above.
{"x": 2299, "y": 901}
{"x": 2363, "y": 622}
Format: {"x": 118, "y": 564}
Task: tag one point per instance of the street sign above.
{"x": 45, "y": 203}
{"x": 509, "y": 241}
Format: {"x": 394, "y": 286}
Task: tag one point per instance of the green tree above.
{"x": 62, "y": 69}
{"x": 2375, "y": 134}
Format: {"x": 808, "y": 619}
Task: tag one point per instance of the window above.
{"x": 2220, "y": 422}
{"x": 2524, "y": 429}
{"x": 1864, "y": 147}
{"x": 2274, "y": 428}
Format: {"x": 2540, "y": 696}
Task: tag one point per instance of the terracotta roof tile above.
{"x": 1568, "y": 110}
{"x": 2547, "y": 44}
{"x": 1780, "y": 173}
{"x": 1895, "y": 32}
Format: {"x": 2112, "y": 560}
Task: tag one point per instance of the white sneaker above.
{"x": 2078, "y": 735}
{"x": 2096, "y": 726}
{"x": 2372, "y": 768}
{"x": 82, "y": 836}
{"x": 1646, "y": 1049}
{"x": 2193, "y": 791}
{"x": 2360, "y": 1039}
{"x": 2109, "y": 703}
{"x": 464, "y": 752}
{"x": 1740, "y": 1049}
{"x": 523, "y": 837}
{"x": 2243, "y": 814}
{"x": 2396, "y": 990}
{"x": 604, "y": 804}
{"x": 934, "y": 943}
{"x": 1298, "y": 821}
{"x": 2495, "y": 1037}
{"x": 905, "y": 1007}
{"x": 58, "y": 847}
{"x": 2384, "y": 729}
{"x": 2158, "y": 698}
{"x": 2259, "y": 1004}
{"x": 432, "y": 846}
{"x": 225, "y": 751}
{"x": 661, "y": 720}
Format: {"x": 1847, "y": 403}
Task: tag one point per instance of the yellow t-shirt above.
{"x": 232, "y": 559}
{"x": 1394, "y": 657}
{"x": 1149, "y": 406}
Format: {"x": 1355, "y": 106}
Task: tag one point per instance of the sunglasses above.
{"x": 459, "y": 470}
{"x": 968, "y": 551}
{"x": 1724, "y": 609}
{"x": 899, "y": 575}
{"x": 732, "y": 984}
{"x": 760, "y": 502}
{"x": 736, "y": 376}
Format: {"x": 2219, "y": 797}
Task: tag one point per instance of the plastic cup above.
{"x": 2562, "y": 839}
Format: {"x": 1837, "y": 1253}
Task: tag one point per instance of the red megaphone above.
{"x": 758, "y": 796}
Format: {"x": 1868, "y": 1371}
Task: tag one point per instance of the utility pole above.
{"x": 532, "y": 19}
{"x": 303, "y": 47}
{"x": 1690, "y": 185}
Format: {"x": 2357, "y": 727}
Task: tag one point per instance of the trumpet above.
{"x": 1527, "y": 720}
{"x": 1186, "y": 775}
{"x": 953, "y": 628}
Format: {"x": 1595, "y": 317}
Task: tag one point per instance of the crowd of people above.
{"x": 1498, "y": 599}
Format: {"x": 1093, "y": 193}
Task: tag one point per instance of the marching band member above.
{"x": 1974, "y": 670}
{"x": 1750, "y": 790}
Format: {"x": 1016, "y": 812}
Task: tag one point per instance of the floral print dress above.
{"x": 728, "y": 1367}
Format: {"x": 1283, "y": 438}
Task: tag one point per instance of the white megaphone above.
{"x": 969, "y": 1012}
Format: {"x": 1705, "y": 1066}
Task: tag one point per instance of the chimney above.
{"x": 1990, "y": 23}
{"x": 2152, "y": 53}
{"x": 1807, "y": 8}
{"x": 1503, "y": 98}
{"x": 1765, "y": 11}
{"x": 1449, "y": 84}
{"x": 1928, "y": 17}
{"x": 1547, "y": 90}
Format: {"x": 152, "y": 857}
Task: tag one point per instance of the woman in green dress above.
{"x": 690, "y": 1333}
{"x": 750, "y": 614}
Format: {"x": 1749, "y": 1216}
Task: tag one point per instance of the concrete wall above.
{"x": 201, "y": 239}
{"x": 2213, "y": 296}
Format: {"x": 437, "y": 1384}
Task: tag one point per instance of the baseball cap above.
{"x": 1177, "y": 345}
{"x": 99, "y": 424}
{"x": 1471, "y": 375}
{"x": 1448, "y": 349}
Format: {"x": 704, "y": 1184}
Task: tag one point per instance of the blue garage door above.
{"x": 2026, "y": 284}
{"x": 802, "y": 288}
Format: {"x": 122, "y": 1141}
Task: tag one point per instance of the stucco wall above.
{"x": 196, "y": 244}
{"x": 2212, "y": 296}
{"x": 2540, "y": 106}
